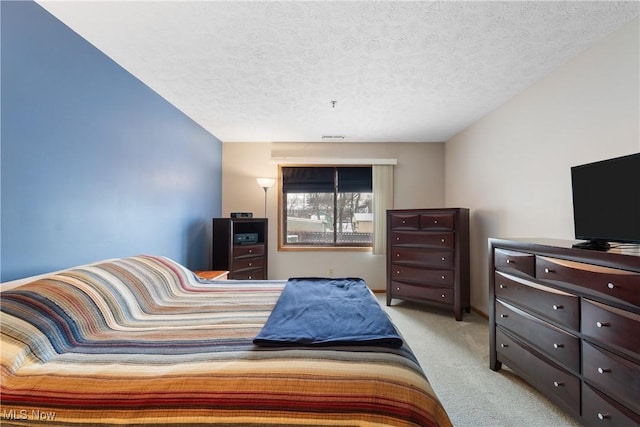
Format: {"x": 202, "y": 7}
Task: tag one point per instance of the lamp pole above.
{"x": 265, "y": 201}
{"x": 265, "y": 183}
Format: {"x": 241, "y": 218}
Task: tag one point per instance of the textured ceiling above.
{"x": 399, "y": 71}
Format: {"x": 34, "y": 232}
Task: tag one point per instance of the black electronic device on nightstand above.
{"x": 245, "y": 238}
{"x": 241, "y": 215}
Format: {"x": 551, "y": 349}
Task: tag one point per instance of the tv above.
{"x": 606, "y": 202}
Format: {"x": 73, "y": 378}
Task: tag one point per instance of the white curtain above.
{"x": 382, "y": 200}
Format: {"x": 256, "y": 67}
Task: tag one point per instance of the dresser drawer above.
{"x": 614, "y": 375}
{"x": 436, "y": 294}
{"x": 558, "y": 385}
{"x": 248, "y": 263}
{"x": 598, "y": 410}
{"x": 247, "y": 250}
{"x": 553, "y": 342}
{"x": 554, "y": 305}
{"x": 405, "y": 221}
{"x": 611, "y": 325}
{"x": 248, "y": 275}
{"x": 422, "y": 257}
{"x": 620, "y": 284}
{"x": 511, "y": 261}
{"x": 436, "y": 221}
{"x": 423, "y": 239}
{"x": 422, "y": 275}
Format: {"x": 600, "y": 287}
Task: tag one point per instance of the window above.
{"x": 326, "y": 206}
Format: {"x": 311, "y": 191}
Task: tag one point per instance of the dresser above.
{"x": 428, "y": 257}
{"x": 240, "y": 247}
{"x": 568, "y": 322}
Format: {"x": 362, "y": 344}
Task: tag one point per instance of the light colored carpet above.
{"x": 455, "y": 357}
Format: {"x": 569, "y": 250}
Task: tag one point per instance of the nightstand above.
{"x": 213, "y": 274}
{"x": 240, "y": 246}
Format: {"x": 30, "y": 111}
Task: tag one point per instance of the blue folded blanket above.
{"x": 321, "y": 311}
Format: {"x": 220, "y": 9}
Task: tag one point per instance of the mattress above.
{"x": 143, "y": 341}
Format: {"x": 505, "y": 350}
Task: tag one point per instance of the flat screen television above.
{"x": 606, "y": 202}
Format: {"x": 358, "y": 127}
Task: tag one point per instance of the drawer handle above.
{"x": 504, "y": 345}
{"x": 397, "y": 255}
{"x": 435, "y": 221}
{"x": 250, "y": 251}
{"x": 547, "y": 270}
{"x": 504, "y": 316}
{"x": 250, "y": 264}
{"x": 443, "y": 259}
{"x": 557, "y": 384}
{"x": 558, "y": 345}
{"x": 602, "y": 324}
{"x": 604, "y": 370}
{"x": 250, "y": 277}
{"x": 404, "y": 222}
{"x": 397, "y": 238}
{"x": 442, "y": 296}
{"x": 397, "y": 289}
{"x": 610, "y": 285}
{"x": 603, "y": 416}
{"x": 442, "y": 240}
{"x": 397, "y": 271}
{"x": 443, "y": 277}
{"x": 503, "y": 286}
{"x": 509, "y": 261}
{"x": 557, "y": 307}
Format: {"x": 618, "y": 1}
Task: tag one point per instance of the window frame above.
{"x": 282, "y": 244}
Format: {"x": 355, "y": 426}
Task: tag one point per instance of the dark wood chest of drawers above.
{"x": 428, "y": 257}
{"x": 568, "y": 322}
{"x": 243, "y": 259}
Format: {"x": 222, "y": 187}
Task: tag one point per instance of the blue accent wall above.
{"x": 95, "y": 164}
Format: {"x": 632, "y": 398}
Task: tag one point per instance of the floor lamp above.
{"x": 265, "y": 183}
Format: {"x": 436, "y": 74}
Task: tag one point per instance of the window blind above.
{"x": 305, "y": 179}
{"x": 354, "y": 180}
{"x": 308, "y": 180}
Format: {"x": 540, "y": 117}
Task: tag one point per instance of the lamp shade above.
{"x": 265, "y": 182}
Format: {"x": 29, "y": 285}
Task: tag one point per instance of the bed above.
{"x": 143, "y": 341}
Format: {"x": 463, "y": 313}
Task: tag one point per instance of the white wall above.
{"x": 512, "y": 168}
{"x": 418, "y": 183}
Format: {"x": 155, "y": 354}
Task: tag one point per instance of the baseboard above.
{"x": 480, "y": 312}
{"x": 474, "y": 309}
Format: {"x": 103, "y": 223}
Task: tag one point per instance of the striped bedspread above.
{"x": 142, "y": 341}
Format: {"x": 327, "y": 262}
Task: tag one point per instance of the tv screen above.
{"x": 606, "y": 201}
